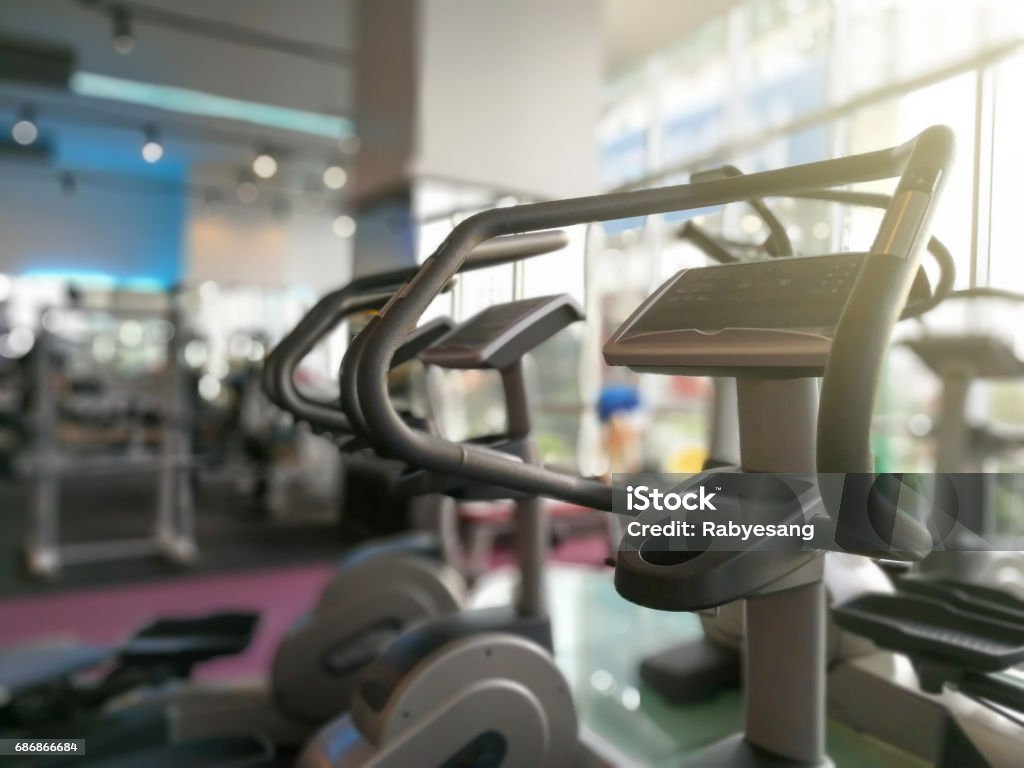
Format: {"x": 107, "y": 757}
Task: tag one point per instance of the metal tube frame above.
{"x": 361, "y": 295}
{"x": 173, "y": 533}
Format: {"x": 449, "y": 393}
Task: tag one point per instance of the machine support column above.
{"x": 533, "y": 530}
{"x": 953, "y": 432}
{"x": 785, "y": 679}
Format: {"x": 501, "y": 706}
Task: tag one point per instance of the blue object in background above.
{"x": 122, "y": 221}
{"x": 617, "y": 398}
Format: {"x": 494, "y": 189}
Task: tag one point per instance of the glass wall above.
{"x": 779, "y": 82}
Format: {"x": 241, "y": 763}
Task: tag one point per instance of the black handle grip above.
{"x": 706, "y": 243}
{"x": 778, "y": 243}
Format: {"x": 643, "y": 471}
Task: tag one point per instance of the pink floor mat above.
{"x": 280, "y": 595}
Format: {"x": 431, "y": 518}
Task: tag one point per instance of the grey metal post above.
{"x": 953, "y": 454}
{"x": 42, "y": 549}
{"x": 184, "y": 508}
{"x": 165, "y": 534}
{"x": 724, "y": 428}
{"x": 532, "y": 527}
{"x": 785, "y": 682}
{"x": 953, "y": 433}
{"x": 778, "y": 421}
{"x": 175, "y": 534}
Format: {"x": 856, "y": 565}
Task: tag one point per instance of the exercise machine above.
{"x": 377, "y": 591}
{"x": 431, "y": 696}
{"x": 960, "y": 360}
{"x": 847, "y": 336}
{"x": 172, "y": 535}
{"x": 700, "y": 669}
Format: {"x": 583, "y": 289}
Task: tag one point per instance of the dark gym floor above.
{"x": 231, "y": 531}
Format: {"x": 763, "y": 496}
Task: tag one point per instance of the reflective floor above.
{"x": 600, "y": 639}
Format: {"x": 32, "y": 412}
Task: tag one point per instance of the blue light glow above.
{"x": 83, "y": 277}
{"x": 100, "y": 280}
{"x": 192, "y": 102}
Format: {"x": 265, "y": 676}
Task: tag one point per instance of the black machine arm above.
{"x": 710, "y": 246}
{"x": 362, "y": 294}
{"x": 854, "y": 367}
{"x": 778, "y": 243}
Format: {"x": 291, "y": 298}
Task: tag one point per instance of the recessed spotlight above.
{"x": 152, "y": 149}
{"x": 344, "y": 226}
{"x": 25, "y": 131}
{"x": 123, "y": 39}
{"x": 335, "y": 177}
{"x": 264, "y": 165}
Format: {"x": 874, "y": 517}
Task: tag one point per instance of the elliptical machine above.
{"x": 376, "y": 592}
{"x": 429, "y": 698}
{"x": 862, "y": 296}
{"x": 380, "y": 588}
{"x": 959, "y": 361}
{"x": 696, "y": 670}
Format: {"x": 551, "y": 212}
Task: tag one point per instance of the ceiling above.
{"x": 635, "y": 29}
{"x": 173, "y": 57}
{"x": 89, "y": 135}
{"x": 213, "y": 150}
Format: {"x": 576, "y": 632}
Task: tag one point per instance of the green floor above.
{"x": 600, "y": 639}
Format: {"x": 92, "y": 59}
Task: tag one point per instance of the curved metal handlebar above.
{"x": 362, "y": 294}
{"x": 778, "y": 243}
{"x": 853, "y": 370}
{"x": 947, "y": 266}
{"x": 710, "y": 247}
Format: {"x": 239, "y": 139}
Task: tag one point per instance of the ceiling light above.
{"x": 344, "y": 226}
{"x": 335, "y": 177}
{"x": 192, "y": 102}
{"x": 152, "y": 149}
{"x": 123, "y": 40}
{"x": 264, "y": 165}
{"x": 25, "y": 131}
